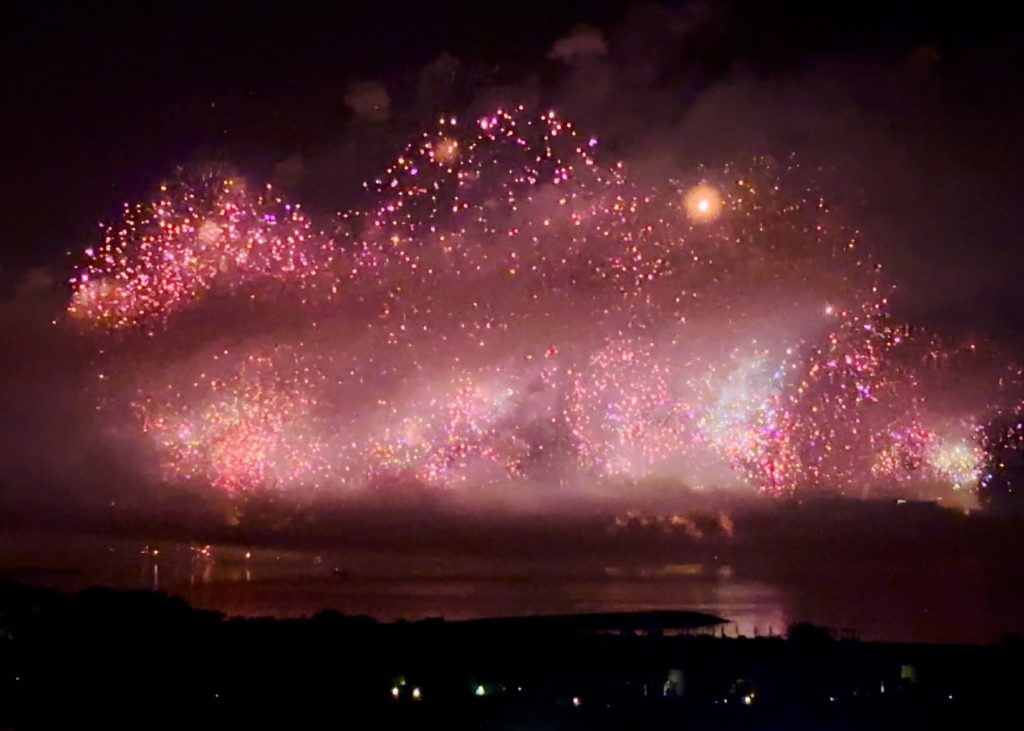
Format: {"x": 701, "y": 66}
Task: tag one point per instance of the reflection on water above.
{"x": 911, "y": 601}
{"x": 752, "y": 607}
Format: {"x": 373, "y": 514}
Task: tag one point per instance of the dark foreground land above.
{"x": 144, "y": 660}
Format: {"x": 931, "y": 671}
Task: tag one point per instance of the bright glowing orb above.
{"x": 703, "y": 203}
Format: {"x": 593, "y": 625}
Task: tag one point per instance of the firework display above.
{"x": 208, "y": 233}
{"x": 511, "y": 310}
{"x": 246, "y": 427}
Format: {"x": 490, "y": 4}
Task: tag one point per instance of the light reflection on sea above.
{"x": 899, "y": 602}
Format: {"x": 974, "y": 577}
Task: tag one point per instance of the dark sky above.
{"x": 101, "y": 101}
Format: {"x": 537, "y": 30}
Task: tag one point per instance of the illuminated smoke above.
{"x": 509, "y": 311}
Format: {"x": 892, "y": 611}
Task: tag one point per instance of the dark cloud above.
{"x": 368, "y": 100}
{"x": 583, "y": 42}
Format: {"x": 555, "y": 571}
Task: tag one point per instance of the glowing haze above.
{"x": 514, "y": 312}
